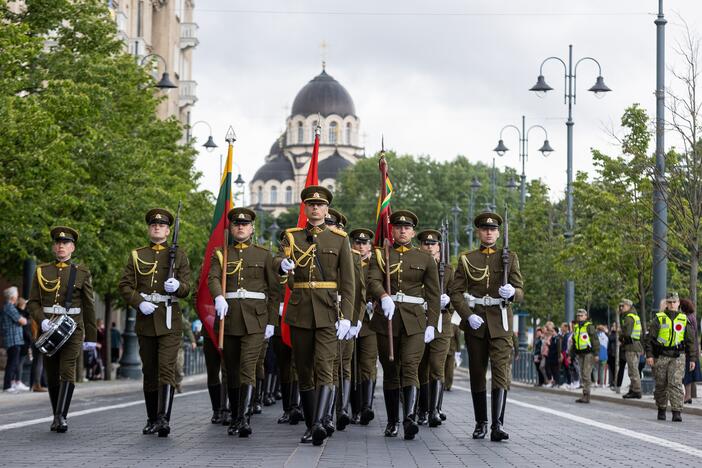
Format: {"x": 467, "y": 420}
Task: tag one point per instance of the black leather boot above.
{"x": 244, "y": 415}
{"x": 367, "y": 413}
{"x": 62, "y": 403}
{"x": 53, "y": 397}
{"x": 324, "y": 395}
{"x": 287, "y": 393}
{"x": 151, "y": 402}
{"x": 215, "y": 392}
{"x": 165, "y": 397}
{"x": 258, "y": 399}
{"x": 355, "y": 402}
{"x": 392, "y": 407}
{"x": 661, "y": 414}
{"x": 307, "y": 398}
{"x": 295, "y": 410}
{"x": 435, "y": 389}
{"x": 480, "y": 411}
{"x": 342, "y": 415}
{"x": 268, "y": 397}
{"x": 225, "y": 405}
{"x": 498, "y": 399}
{"x": 423, "y": 404}
{"x": 233, "y": 393}
{"x": 278, "y": 389}
{"x": 441, "y": 402}
{"x": 409, "y": 423}
{"x": 677, "y": 416}
{"x": 327, "y": 419}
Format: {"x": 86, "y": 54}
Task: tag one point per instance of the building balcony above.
{"x": 187, "y": 90}
{"x": 188, "y": 35}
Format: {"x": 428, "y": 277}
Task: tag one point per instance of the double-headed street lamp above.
{"x": 523, "y": 134}
{"x": 599, "y": 88}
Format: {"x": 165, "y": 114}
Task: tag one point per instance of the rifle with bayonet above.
{"x": 505, "y": 271}
{"x": 443, "y": 261}
{"x": 172, "y": 249}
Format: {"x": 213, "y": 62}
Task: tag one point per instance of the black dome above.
{"x": 324, "y": 95}
{"x": 278, "y": 168}
{"x": 330, "y": 167}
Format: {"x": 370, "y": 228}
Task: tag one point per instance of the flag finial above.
{"x": 318, "y": 128}
{"x": 231, "y": 136}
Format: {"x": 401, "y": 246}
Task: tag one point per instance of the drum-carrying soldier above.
{"x": 319, "y": 267}
{"x": 61, "y": 288}
{"x": 249, "y": 308}
{"x": 478, "y": 296}
{"x": 146, "y": 286}
{"x": 414, "y": 280}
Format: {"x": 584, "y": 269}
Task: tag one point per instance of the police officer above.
{"x": 484, "y": 303}
{"x": 431, "y": 368}
{"x": 586, "y": 349}
{"x": 670, "y": 336}
{"x": 414, "y": 280}
{"x": 63, "y": 287}
{"x": 145, "y": 285}
{"x": 317, "y": 264}
{"x": 249, "y": 308}
{"x": 366, "y": 341}
{"x": 630, "y": 338}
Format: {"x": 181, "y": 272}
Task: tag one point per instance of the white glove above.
{"x": 506, "y": 291}
{"x": 45, "y": 325}
{"x": 388, "y": 307}
{"x": 286, "y": 265}
{"x": 221, "y": 306}
{"x": 280, "y": 309}
{"x": 88, "y": 345}
{"x": 342, "y": 328}
{"x": 147, "y": 308}
{"x": 458, "y": 358}
{"x": 353, "y": 331}
{"x": 445, "y": 300}
{"x": 429, "y": 334}
{"x": 359, "y": 324}
{"x": 171, "y": 285}
{"x": 470, "y": 299}
{"x": 369, "y": 307}
{"x": 268, "y": 332}
{"x": 475, "y": 321}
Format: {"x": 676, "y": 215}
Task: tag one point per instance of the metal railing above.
{"x": 523, "y": 369}
{"x": 188, "y": 35}
{"x": 193, "y": 360}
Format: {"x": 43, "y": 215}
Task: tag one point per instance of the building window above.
{"x": 348, "y": 133}
{"x": 259, "y": 195}
{"x": 314, "y": 127}
{"x": 333, "y": 133}
{"x": 300, "y": 133}
{"x": 288, "y": 196}
{"x": 274, "y": 195}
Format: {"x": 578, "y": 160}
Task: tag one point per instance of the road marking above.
{"x": 607, "y": 427}
{"x": 32, "y": 422}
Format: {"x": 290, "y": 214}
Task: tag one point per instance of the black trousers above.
{"x": 12, "y": 366}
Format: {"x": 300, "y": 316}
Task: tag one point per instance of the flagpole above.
{"x": 383, "y": 166}
{"x": 230, "y": 138}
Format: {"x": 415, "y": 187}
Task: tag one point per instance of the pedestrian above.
{"x": 692, "y": 376}
{"x": 115, "y": 343}
{"x": 482, "y": 301}
{"x": 11, "y": 323}
{"x": 630, "y": 339}
{"x": 670, "y": 335}
{"x": 26, "y": 354}
{"x": 145, "y": 285}
{"x": 602, "y": 362}
{"x": 545, "y": 348}
{"x": 612, "y": 345}
{"x": 586, "y": 349}
{"x": 414, "y": 280}
{"x": 59, "y": 288}
{"x": 538, "y": 334}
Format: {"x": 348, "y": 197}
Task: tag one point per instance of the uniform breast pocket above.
{"x": 329, "y": 258}
{"x": 254, "y": 270}
{"x": 416, "y": 272}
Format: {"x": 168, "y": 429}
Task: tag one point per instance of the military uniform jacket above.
{"x": 455, "y": 344}
{"x": 313, "y": 304}
{"x": 146, "y": 271}
{"x": 689, "y": 346}
{"x": 250, "y": 268}
{"x": 446, "y": 327}
{"x": 479, "y": 273}
{"x": 359, "y": 279}
{"x": 414, "y": 273}
{"x": 366, "y": 328}
{"x": 49, "y": 289}
{"x": 628, "y": 344}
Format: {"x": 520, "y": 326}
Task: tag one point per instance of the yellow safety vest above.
{"x": 581, "y": 337}
{"x": 636, "y": 332}
{"x": 671, "y": 333}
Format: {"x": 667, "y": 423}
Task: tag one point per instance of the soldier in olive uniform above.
{"x": 366, "y": 342}
{"x": 630, "y": 338}
{"x": 318, "y": 265}
{"x": 431, "y": 368}
{"x": 248, "y": 307}
{"x": 216, "y": 388}
{"x": 49, "y": 297}
{"x": 414, "y": 280}
{"x": 452, "y": 357}
{"x": 480, "y": 298}
{"x": 670, "y": 337}
{"x": 145, "y": 285}
{"x": 586, "y": 349}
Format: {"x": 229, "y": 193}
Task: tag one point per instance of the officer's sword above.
{"x": 505, "y": 272}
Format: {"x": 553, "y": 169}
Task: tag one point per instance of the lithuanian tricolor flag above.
{"x": 382, "y": 213}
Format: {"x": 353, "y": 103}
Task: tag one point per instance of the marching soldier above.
{"x": 366, "y": 342}
{"x": 452, "y": 358}
{"x": 63, "y": 287}
{"x": 249, "y": 308}
{"x": 586, "y": 348}
{"x": 481, "y": 301}
{"x": 630, "y": 338}
{"x": 216, "y": 388}
{"x": 146, "y": 287}
{"x": 414, "y": 280}
{"x": 431, "y": 368}
{"x": 317, "y": 263}
{"x": 670, "y": 337}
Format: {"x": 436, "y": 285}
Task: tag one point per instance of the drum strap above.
{"x": 70, "y": 286}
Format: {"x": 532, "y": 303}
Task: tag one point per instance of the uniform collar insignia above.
{"x": 62, "y": 264}
{"x": 316, "y": 229}
{"x": 158, "y": 247}
{"x": 242, "y": 245}
{"x": 402, "y": 248}
{"x": 487, "y": 250}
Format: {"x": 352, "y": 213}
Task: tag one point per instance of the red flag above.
{"x": 382, "y": 214}
{"x": 312, "y": 179}
{"x": 205, "y": 302}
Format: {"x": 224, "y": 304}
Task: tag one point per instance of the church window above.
{"x": 348, "y": 133}
{"x": 333, "y": 133}
{"x": 259, "y": 195}
{"x": 274, "y": 195}
{"x": 288, "y": 195}
{"x": 300, "y": 132}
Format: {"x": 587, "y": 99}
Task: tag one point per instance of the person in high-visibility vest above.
{"x": 630, "y": 339}
{"x": 670, "y": 336}
{"x": 586, "y": 348}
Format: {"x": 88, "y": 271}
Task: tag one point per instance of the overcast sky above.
{"x": 438, "y": 78}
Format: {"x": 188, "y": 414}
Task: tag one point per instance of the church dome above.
{"x": 277, "y": 168}
{"x": 330, "y": 167}
{"x": 325, "y": 95}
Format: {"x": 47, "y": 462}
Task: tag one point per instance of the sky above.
{"x": 437, "y": 78}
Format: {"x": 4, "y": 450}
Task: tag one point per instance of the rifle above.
{"x": 443, "y": 260}
{"x": 505, "y": 271}
{"x": 171, "y": 262}
{"x": 388, "y": 289}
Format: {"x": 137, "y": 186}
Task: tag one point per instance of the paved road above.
{"x": 545, "y": 430}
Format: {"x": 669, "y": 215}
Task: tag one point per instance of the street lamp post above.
{"x": 493, "y": 187}
{"x": 523, "y": 134}
{"x": 209, "y": 145}
{"x": 260, "y": 212}
{"x": 165, "y": 81}
{"x": 455, "y": 211}
{"x": 474, "y": 185}
{"x": 599, "y": 88}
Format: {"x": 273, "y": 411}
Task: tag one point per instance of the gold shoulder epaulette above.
{"x": 293, "y": 229}
{"x": 338, "y": 232}
{"x": 45, "y": 264}
{"x": 82, "y": 266}
{"x": 355, "y": 251}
